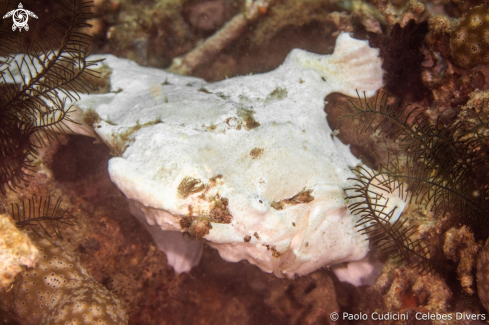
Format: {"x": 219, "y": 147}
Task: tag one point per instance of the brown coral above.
{"x": 407, "y": 290}
{"x": 469, "y": 41}
{"x": 460, "y": 247}
{"x": 60, "y": 291}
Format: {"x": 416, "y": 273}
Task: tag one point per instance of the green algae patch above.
{"x": 188, "y": 186}
{"x": 301, "y": 197}
{"x": 119, "y": 143}
{"x": 221, "y": 95}
{"x": 125, "y": 136}
{"x": 248, "y": 119}
{"x": 245, "y": 120}
{"x": 278, "y": 93}
{"x": 204, "y": 90}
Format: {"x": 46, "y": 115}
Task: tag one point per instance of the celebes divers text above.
{"x": 416, "y": 316}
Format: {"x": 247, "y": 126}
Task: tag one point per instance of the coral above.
{"x": 413, "y": 10}
{"x": 368, "y": 15}
{"x": 461, "y": 248}
{"x": 405, "y": 289}
{"x": 469, "y": 40}
{"x": 16, "y": 251}
{"x": 483, "y": 275}
{"x": 60, "y": 290}
{"x": 150, "y": 34}
{"x": 478, "y": 105}
{"x": 456, "y": 8}
{"x": 450, "y": 84}
{"x": 440, "y": 24}
{"x": 430, "y": 290}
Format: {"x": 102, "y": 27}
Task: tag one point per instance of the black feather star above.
{"x": 445, "y": 169}
{"x": 386, "y": 228}
{"x": 33, "y": 77}
{"x": 40, "y": 216}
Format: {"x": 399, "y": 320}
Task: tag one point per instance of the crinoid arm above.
{"x": 379, "y": 201}
{"x": 37, "y": 83}
{"x": 42, "y": 74}
{"x": 41, "y": 216}
{"x": 388, "y": 120}
{"x": 446, "y": 167}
